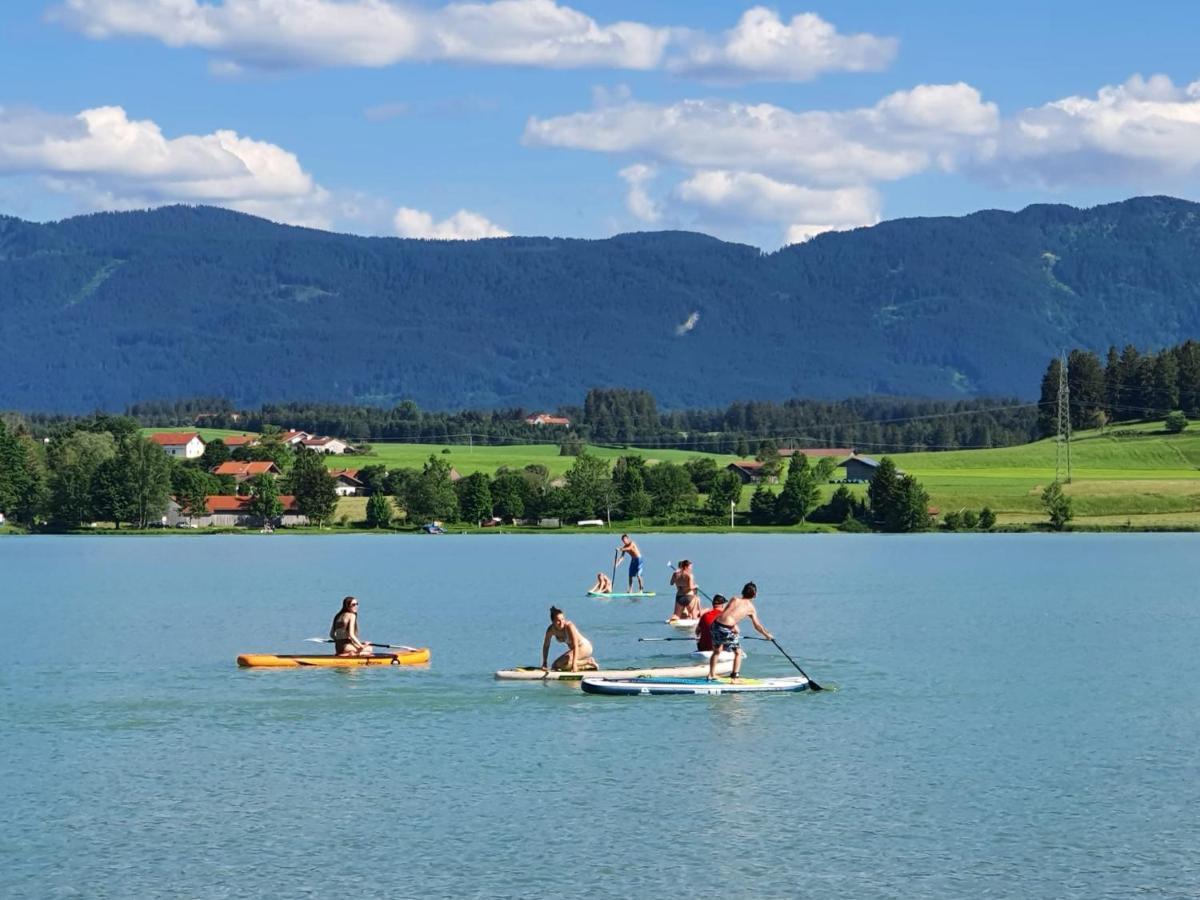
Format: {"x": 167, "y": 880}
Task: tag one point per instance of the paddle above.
{"x": 372, "y": 643}
{"x": 745, "y": 638}
{"x": 812, "y": 685}
{"x": 612, "y": 582}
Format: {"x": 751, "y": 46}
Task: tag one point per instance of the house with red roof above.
{"x": 244, "y": 471}
{"x": 183, "y": 444}
{"x": 547, "y": 419}
{"x": 240, "y": 440}
{"x": 332, "y": 445}
{"x": 750, "y": 471}
{"x": 223, "y": 511}
{"x": 348, "y": 484}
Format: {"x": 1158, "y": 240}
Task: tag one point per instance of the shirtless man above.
{"x": 630, "y": 549}
{"x": 687, "y": 604}
{"x": 579, "y": 649}
{"x": 344, "y": 631}
{"x": 725, "y": 635}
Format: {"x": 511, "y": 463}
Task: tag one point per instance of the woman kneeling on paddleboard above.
{"x": 344, "y": 631}
{"x": 603, "y": 585}
{"x": 579, "y": 649}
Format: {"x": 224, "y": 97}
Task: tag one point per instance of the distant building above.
{"x": 332, "y": 445}
{"x": 184, "y": 444}
{"x": 244, "y": 471}
{"x": 817, "y": 452}
{"x": 861, "y": 468}
{"x": 240, "y": 440}
{"x": 292, "y": 438}
{"x": 348, "y": 484}
{"x": 222, "y": 511}
{"x": 750, "y": 471}
{"x": 547, "y": 419}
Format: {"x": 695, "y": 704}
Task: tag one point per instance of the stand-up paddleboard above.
{"x": 532, "y": 673}
{"x": 648, "y": 687}
{"x": 617, "y": 596}
{"x": 686, "y": 624}
{"x": 279, "y": 661}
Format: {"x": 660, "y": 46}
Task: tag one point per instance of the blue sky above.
{"x": 763, "y": 124}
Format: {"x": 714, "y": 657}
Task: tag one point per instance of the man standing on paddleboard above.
{"x": 629, "y": 548}
{"x": 725, "y": 634}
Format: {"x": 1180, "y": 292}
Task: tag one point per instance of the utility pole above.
{"x": 1062, "y": 452}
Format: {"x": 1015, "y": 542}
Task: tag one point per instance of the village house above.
{"x": 817, "y": 452}
{"x": 861, "y": 469}
{"x": 750, "y": 471}
{"x": 244, "y": 471}
{"x": 348, "y": 484}
{"x": 332, "y": 445}
{"x": 240, "y": 440}
{"x": 183, "y": 444}
{"x": 291, "y": 437}
{"x": 225, "y": 512}
{"x": 547, "y": 419}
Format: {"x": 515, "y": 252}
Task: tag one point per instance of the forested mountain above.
{"x": 113, "y": 308}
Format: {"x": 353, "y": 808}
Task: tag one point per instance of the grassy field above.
{"x": 1136, "y": 475}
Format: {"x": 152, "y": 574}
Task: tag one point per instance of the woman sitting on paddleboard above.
{"x": 687, "y": 604}
{"x": 603, "y": 584}
{"x": 579, "y": 649}
{"x": 344, "y": 631}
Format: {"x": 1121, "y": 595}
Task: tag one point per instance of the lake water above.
{"x": 1013, "y": 716}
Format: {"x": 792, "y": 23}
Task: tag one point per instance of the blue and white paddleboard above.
{"x": 618, "y": 596}
{"x": 696, "y": 686}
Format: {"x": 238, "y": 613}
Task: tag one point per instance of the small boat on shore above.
{"x": 532, "y": 673}
{"x": 279, "y": 661}
{"x": 652, "y": 686}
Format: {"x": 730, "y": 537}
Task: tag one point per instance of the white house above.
{"x": 294, "y": 437}
{"x": 332, "y": 445}
{"x": 184, "y": 444}
{"x": 348, "y": 484}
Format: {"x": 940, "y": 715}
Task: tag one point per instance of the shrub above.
{"x": 1176, "y": 422}
{"x": 987, "y": 519}
{"x": 970, "y": 519}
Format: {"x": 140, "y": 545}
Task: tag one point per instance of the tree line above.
{"x": 1129, "y": 385}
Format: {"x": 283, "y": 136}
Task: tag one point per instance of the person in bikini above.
{"x": 344, "y": 631}
{"x": 725, "y": 633}
{"x": 630, "y": 549}
{"x": 687, "y": 604}
{"x": 603, "y": 584}
{"x": 579, "y": 649}
{"x": 704, "y": 626}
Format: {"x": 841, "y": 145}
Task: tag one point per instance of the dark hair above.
{"x": 624, "y": 536}
{"x": 750, "y": 591}
{"x": 684, "y": 562}
{"x": 346, "y": 601}
{"x": 555, "y": 611}
{"x": 719, "y": 600}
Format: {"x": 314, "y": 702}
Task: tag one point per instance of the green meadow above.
{"x": 1135, "y": 475}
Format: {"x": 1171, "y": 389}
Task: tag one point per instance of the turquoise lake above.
{"x": 1009, "y": 716}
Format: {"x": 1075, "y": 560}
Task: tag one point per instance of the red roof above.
{"x": 246, "y": 469}
{"x": 817, "y": 451}
{"x": 352, "y": 474}
{"x": 173, "y": 438}
{"x": 237, "y": 440}
{"x": 547, "y": 419}
{"x": 218, "y": 503}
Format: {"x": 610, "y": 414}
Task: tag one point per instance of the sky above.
{"x": 764, "y": 124}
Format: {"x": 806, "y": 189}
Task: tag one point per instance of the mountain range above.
{"x": 104, "y": 310}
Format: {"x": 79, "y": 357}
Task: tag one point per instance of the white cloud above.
{"x": 762, "y": 47}
{"x": 748, "y": 197}
{"x": 374, "y": 33}
{"x": 112, "y": 161}
{"x": 1144, "y": 131}
{"x": 905, "y": 133}
{"x": 637, "y": 200}
{"x": 462, "y": 226}
{"x": 544, "y": 33}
